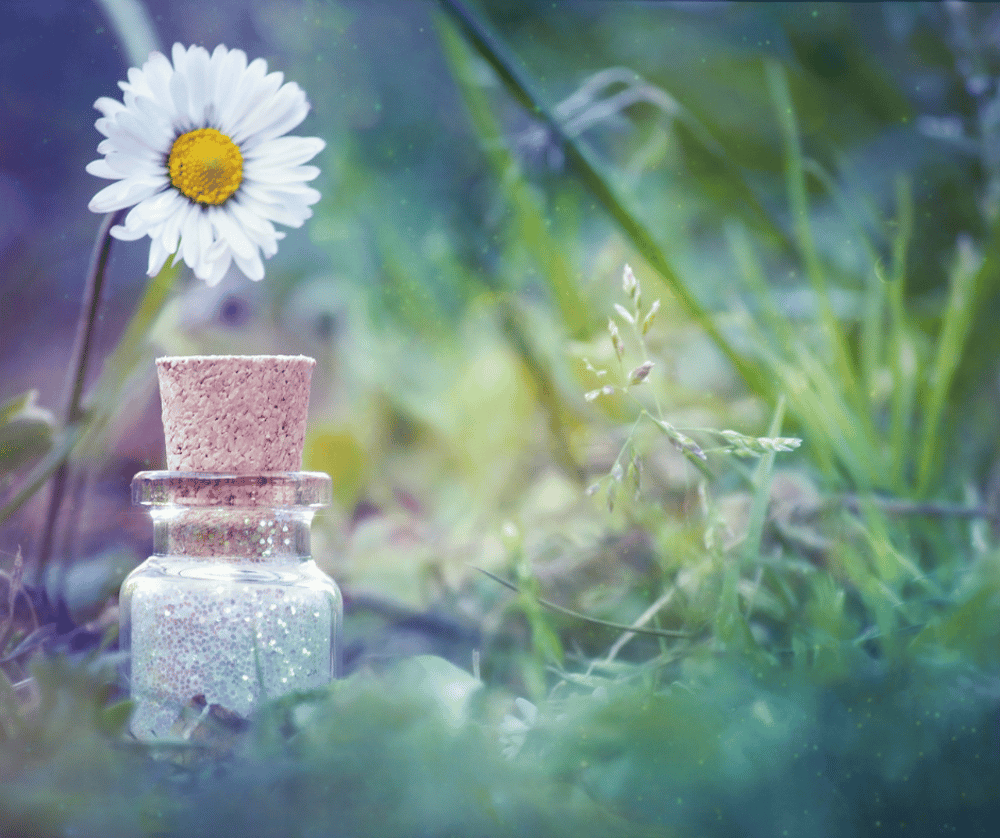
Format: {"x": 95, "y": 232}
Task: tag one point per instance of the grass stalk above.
{"x": 568, "y": 612}
{"x": 762, "y": 488}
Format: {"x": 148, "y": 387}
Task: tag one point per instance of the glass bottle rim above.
{"x": 302, "y": 489}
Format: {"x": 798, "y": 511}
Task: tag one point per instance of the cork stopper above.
{"x": 235, "y": 414}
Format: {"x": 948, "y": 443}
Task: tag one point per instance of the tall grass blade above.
{"x": 903, "y": 358}
{"x": 581, "y": 161}
{"x": 795, "y": 179}
{"x": 957, "y": 319}
{"x": 762, "y": 488}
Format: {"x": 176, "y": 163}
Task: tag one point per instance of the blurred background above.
{"x": 462, "y": 265}
{"x": 808, "y": 195}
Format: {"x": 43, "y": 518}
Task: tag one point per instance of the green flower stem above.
{"x": 82, "y": 345}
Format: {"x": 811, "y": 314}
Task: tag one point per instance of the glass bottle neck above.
{"x": 235, "y": 518}
{"x": 254, "y": 534}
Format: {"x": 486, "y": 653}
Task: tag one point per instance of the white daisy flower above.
{"x": 199, "y": 153}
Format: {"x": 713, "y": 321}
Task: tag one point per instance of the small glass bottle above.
{"x": 230, "y": 609}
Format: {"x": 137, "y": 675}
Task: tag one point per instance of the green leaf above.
{"x": 43, "y": 470}
{"x": 16, "y": 404}
{"x": 114, "y": 718}
{"x": 26, "y": 432}
{"x": 9, "y": 708}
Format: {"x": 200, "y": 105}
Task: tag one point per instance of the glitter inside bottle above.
{"x": 231, "y": 606}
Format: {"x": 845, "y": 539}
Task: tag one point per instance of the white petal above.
{"x": 258, "y": 228}
{"x": 213, "y": 272}
{"x": 208, "y": 247}
{"x": 276, "y": 212}
{"x": 272, "y": 117}
{"x": 157, "y": 210}
{"x": 229, "y": 231}
{"x": 125, "y": 141}
{"x": 149, "y": 109}
{"x": 179, "y": 56}
{"x": 173, "y": 222}
{"x": 100, "y": 168}
{"x": 260, "y": 172}
{"x": 285, "y": 151}
{"x": 179, "y": 97}
{"x": 285, "y": 193}
{"x": 265, "y": 106}
{"x": 127, "y": 165}
{"x": 191, "y": 242}
{"x": 212, "y": 69}
{"x": 157, "y": 74}
{"x": 146, "y": 133}
{"x": 104, "y": 124}
{"x": 126, "y": 235}
{"x": 158, "y": 254}
{"x": 232, "y": 69}
{"x": 121, "y": 194}
{"x": 197, "y": 84}
{"x": 253, "y": 267}
{"x": 214, "y": 263}
{"x": 108, "y": 106}
{"x": 245, "y": 96}
{"x": 140, "y": 220}
{"x": 255, "y": 90}
{"x": 136, "y": 80}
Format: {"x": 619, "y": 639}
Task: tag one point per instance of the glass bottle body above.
{"x": 230, "y": 609}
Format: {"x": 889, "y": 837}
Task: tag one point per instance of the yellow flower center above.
{"x": 206, "y": 166}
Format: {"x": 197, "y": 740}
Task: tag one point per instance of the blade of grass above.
{"x": 580, "y": 160}
{"x": 774, "y": 340}
{"x": 795, "y": 179}
{"x": 762, "y": 488}
{"x": 552, "y": 606}
{"x": 956, "y": 321}
{"x": 731, "y": 626}
{"x": 903, "y": 359}
{"x": 871, "y": 342}
{"x": 859, "y": 454}
{"x": 515, "y": 79}
{"x": 531, "y": 228}
{"x": 781, "y": 333}
{"x": 889, "y": 562}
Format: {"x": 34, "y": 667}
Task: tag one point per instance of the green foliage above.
{"x": 25, "y": 432}
{"x": 432, "y": 765}
{"x": 710, "y": 745}
{"x": 60, "y": 761}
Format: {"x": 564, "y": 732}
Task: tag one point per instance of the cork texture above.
{"x": 235, "y": 414}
